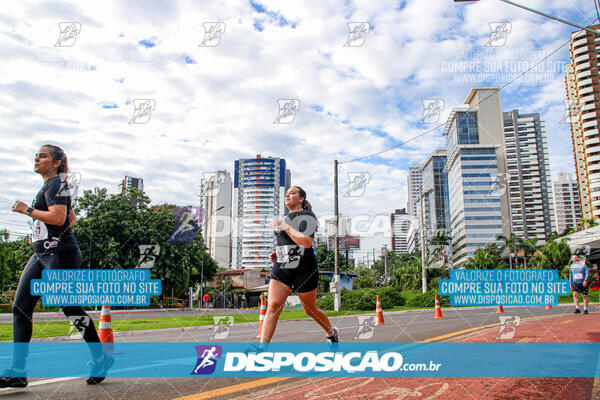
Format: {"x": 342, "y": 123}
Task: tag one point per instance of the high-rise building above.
{"x": 435, "y": 194}
{"x": 130, "y": 182}
{"x": 566, "y": 202}
{"x": 403, "y": 231}
{"x": 344, "y": 223}
{"x": 583, "y": 103}
{"x": 479, "y": 212}
{"x": 215, "y": 199}
{"x": 528, "y": 178}
{"x": 259, "y": 188}
{"x": 415, "y": 180}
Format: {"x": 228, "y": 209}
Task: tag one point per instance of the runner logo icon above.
{"x": 207, "y": 359}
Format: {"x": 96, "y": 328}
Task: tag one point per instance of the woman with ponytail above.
{"x": 295, "y": 266}
{"x": 54, "y": 247}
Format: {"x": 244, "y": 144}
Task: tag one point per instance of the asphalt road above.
{"x": 405, "y": 326}
{"x": 6, "y": 318}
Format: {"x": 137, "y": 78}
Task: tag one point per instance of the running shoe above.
{"x": 9, "y": 380}
{"x": 585, "y": 311}
{"x": 576, "y": 311}
{"x": 335, "y": 337}
{"x": 100, "y": 369}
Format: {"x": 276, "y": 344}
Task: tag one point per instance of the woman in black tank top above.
{"x": 295, "y": 266}
{"x": 54, "y": 246}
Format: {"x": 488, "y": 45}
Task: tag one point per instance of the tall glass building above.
{"x": 475, "y": 166}
{"x": 259, "y": 189}
{"x": 436, "y": 213}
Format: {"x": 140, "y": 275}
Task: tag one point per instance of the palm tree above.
{"x": 555, "y": 255}
{"x": 511, "y": 243}
{"x": 439, "y": 241}
{"x": 529, "y": 247}
{"x": 586, "y": 223}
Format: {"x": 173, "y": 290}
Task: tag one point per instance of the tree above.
{"x": 13, "y": 258}
{"x": 366, "y": 278}
{"x": 511, "y": 243}
{"x": 555, "y": 255}
{"x": 116, "y": 225}
{"x": 489, "y": 257}
{"x": 439, "y": 242}
{"x": 325, "y": 259}
{"x": 529, "y": 247}
{"x": 586, "y": 223}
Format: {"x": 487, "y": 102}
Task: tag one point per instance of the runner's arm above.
{"x": 55, "y": 215}
{"x": 299, "y": 238}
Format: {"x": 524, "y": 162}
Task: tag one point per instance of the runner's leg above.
{"x": 278, "y": 293}
{"x": 71, "y": 259}
{"x": 23, "y": 307}
{"x": 309, "y": 304}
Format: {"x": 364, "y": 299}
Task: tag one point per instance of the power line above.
{"x": 479, "y": 102}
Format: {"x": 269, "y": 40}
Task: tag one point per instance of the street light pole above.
{"x": 202, "y": 271}
{"x": 336, "y": 261}
{"x": 223, "y": 295}
{"x": 423, "y": 263}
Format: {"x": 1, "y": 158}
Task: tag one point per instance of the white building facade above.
{"x": 528, "y": 178}
{"x": 215, "y": 199}
{"x": 566, "y": 202}
{"x": 259, "y": 188}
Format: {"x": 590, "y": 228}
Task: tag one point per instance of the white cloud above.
{"x": 222, "y": 106}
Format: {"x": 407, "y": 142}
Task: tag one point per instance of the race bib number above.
{"x": 578, "y": 276}
{"x": 40, "y": 232}
{"x": 282, "y": 254}
{"x": 289, "y": 255}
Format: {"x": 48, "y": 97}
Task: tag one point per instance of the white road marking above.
{"x": 43, "y": 382}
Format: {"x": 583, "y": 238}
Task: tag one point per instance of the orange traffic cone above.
{"x": 438, "y": 310}
{"x": 263, "y": 312}
{"x": 548, "y": 307}
{"x": 499, "y": 310}
{"x": 105, "y": 332}
{"x": 379, "y": 312}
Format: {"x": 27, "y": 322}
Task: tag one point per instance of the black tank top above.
{"x": 49, "y": 238}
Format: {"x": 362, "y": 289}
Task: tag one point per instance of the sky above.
{"x": 215, "y": 98}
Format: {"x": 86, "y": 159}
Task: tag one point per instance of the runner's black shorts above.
{"x": 578, "y": 287}
{"x": 302, "y": 279}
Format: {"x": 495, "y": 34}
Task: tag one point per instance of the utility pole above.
{"x": 373, "y": 257}
{"x": 423, "y": 264}
{"x": 202, "y": 284}
{"x": 336, "y": 262}
{"x": 385, "y": 263}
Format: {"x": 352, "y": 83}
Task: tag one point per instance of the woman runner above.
{"x": 295, "y": 266}
{"x": 54, "y": 246}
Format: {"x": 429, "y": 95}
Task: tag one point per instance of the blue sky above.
{"x": 213, "y": 104}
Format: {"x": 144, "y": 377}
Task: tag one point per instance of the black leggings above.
{"x": 24, "y": 304}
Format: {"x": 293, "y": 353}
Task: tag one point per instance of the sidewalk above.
{"x": 564, "y": 328}
{"x": 567, "y": 328}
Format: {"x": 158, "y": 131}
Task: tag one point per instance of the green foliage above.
{"x": 554, "y": 254}
{"x": 366, "y": 279}
{"x": 115, "y": 225}
{"x": 489, "y": 257}
{"x": 363, "y": 299}
{"x": 13, "y": 257}
{"x": 427, "y": 300}
{"x": 325, "y": 259}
